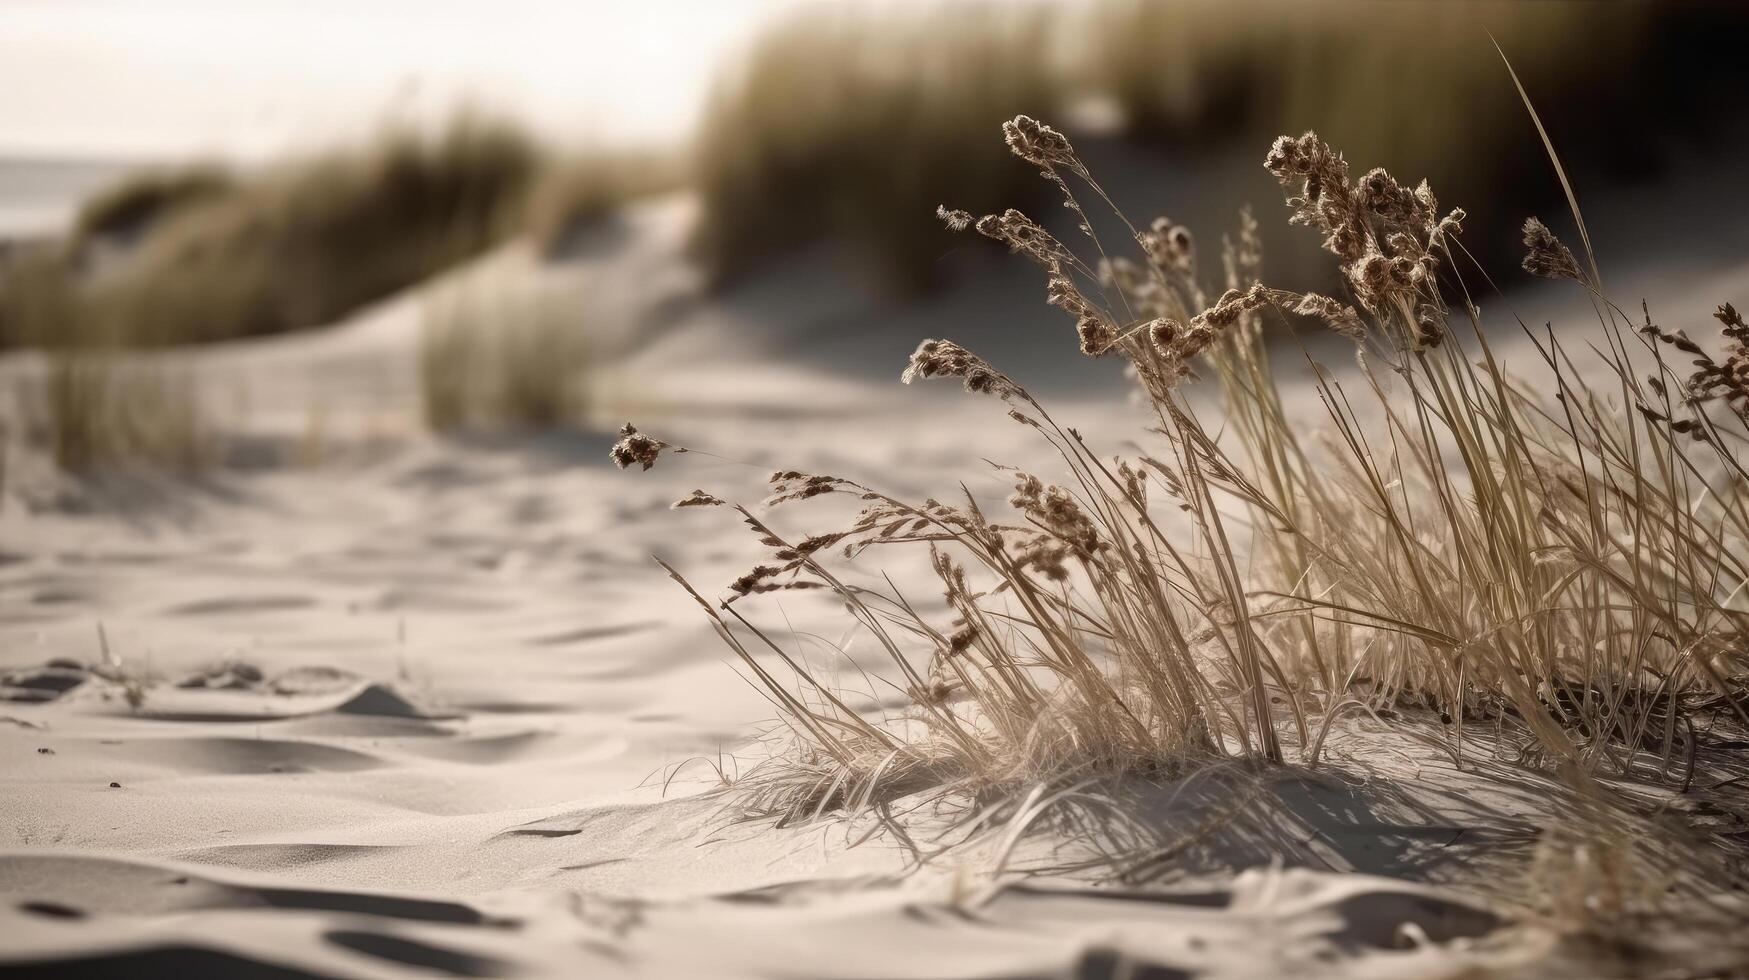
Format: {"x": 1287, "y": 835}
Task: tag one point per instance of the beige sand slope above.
{"x": 426, "y": 707}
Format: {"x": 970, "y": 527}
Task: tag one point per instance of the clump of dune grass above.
{"x": 296, "y": 245}
{"x": 504, "y": 358}
{"x": 317, "y": 239}
{"x": 39, "y": 295}
{"x": 849, "y": 125}
{"x": 130, "y": 206}
{"x": 97, "y": 410}
{"x": 1546, "y": 568}
{"x": 846, "y": 126}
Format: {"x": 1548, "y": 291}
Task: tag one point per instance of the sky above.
{"x": 249, "y": 79}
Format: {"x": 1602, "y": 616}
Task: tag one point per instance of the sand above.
{"x": 405, "y": 706}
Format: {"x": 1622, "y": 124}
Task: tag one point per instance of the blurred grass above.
{"x": 133, "y": 204}
{"x": 202, "y": 254}
{"x": 313, "y": 240}
{"x": 95, "y": 412}
{"x": 1419, "y": 88}
{"x": 572, "y": 193}
{"x": 500, "y": 357}
{"x": 851, "y": 124}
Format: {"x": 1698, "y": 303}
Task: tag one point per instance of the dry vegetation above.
{"x": 132, "y": 205}
{"x": 94, "y": 410}
{"x": 571, "y": 194}
{"x": 848, "y": 126}
{"x": 202, "y": 254}
{"x": 1550, "y": 582}
{"x": 503, "y": 358}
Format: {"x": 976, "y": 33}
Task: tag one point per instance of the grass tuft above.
{"x": 97, "y": 411}
{"x": 292, "y": 247}
{"x": 504, "y": 358}
{"x": 128, "y": 208}
{"x": 1511, "y": 568}
{"x": 851, "y": 126}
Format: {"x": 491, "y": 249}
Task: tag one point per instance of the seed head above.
{"x": 1034, "y": 142}
{"x": 635, "y": 447}
{"x": 1340, "y": 317}
{"x": 946, "y": 359}
{"x": 1163, "y": 333}
{"x": 1170, "y": 247}
{"x": 1024, "y": 235}
{"x": 954, "y": 219}
{"x": 1096, "y": 336}
{"x": 1545, "y": 255}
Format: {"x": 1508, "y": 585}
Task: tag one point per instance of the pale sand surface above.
{"x": 465, "y": 687}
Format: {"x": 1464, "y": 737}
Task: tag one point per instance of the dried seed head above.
{"x": 1712, "y": 379}
{"x": 1372, "y": 278}
{"x": 790, "y": 485}
{"x": 1429, "y": 326}
{"x": 1288, "y": 156}
{"x": 1230, "y": 307}
{"x": 1735, "y": 328}
{"x": 1384, "y": 198}
{"x": 1545, "y": 255}
{"x": 1023, "y": 235}
{"x": 751, "y": 582}
{"x": 1096, "y": 336}
{"x": 1340, "y": 317}
{"x": 1163, "y": 334}
{"x": 946, "y": 359}
{"x": 1323, "y": 171}
{"x": 635, "y": 447}
{"x": 1057, "y": 512}
{"x": 697, "y": 498}
{"x": 1169, "y": 246}
{"x": 955, "y": 219}
{"x": 1034, "y": 142}
{"x": 961, "y": 639}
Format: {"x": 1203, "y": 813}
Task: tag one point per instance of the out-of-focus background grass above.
{"x": 841, "y": 127}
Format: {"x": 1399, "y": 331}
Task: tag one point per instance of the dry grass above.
{"x": 1458, "y": 550}
{"x": 97, "y": 411}
{"x": 319, "y": 238}
{"x": 129, "y": 207}
{"x": 39, "y": 296}
{"x": 201, "y": 254}
{"x": 292, "y": 247}
{"x": 846, "y": 127}
{"x": 504, "y": 358}
{"x": 851, "y": 126}
{"x": 571, "y": 194}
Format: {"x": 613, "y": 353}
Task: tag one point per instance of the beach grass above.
{"x": 504, "y": 358}
{"x": 849, "y": 126}
{"x": 205, "y": 254}
{"x": 1539, "y": 569}
{"x": 843, "y": 127}
{"x": 97, "y": 410}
